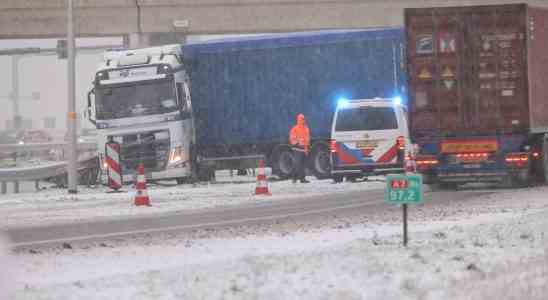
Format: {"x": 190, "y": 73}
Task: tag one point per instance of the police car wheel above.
{"x": 320, "y": 162}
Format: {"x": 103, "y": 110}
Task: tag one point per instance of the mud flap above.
{"x": 545, "y": 156}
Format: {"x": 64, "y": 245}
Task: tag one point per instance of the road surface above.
{"x": 340, "y": 204}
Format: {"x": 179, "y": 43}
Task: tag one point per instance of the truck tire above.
{"x": 519, "y": 179}
{"x": 319, "y": 161}
{"x": 428, "y": 179}
{"x": 447, "y": 186}
{"x": 283, "y": 164}
{"x": 205, "y": 174}
{"x": 183, "y": 180}
{"x": 88, "y": 176}
{"x": 353, "y": 178}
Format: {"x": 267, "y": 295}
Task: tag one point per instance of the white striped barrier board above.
{"x": 114, "y": 169}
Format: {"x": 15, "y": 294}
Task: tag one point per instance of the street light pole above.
{"x": 71, "y": 116}
{"x": 15, "y": 91}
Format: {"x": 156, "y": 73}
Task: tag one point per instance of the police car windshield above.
{"x": 136, "y": 99}
{"x": 366, "y": 118}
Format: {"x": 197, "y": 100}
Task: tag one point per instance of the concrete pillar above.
{"x": 37, "y": 185}
{"x": 138, "y": 40}
{"x": 143, "y": 40}
{"x": 16, "y": 187}
{"x": 4, "y": 187}
{"x": 17, "y": 120}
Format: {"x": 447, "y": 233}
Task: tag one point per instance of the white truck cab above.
{"x": 141, "y": 99}
{"x": 369, "y": 137}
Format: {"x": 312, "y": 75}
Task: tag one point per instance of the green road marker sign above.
{"x": 404, "y": 189}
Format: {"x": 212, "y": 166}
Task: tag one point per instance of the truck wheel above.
{"x": 320, "y": 162}
{"x": 283, "y": 164}
{"x": 448, "y": 186}
{"x": 183, "y": 180}
{"x": 352, "y": 178}
{"x": 517, "y": 180}
{"x": 428, "y": 179}
{"x": 205, "y": 174}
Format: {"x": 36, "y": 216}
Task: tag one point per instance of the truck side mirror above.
{"x": 87, "y": 112}
{"x": 182, "y": 100}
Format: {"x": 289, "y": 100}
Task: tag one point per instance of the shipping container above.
{"x": 247, "y": 92}
{"x": 478, "y": 75}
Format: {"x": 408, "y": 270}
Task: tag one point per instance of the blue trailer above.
{"x": 247, "y": 92}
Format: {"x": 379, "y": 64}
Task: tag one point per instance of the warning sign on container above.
{"x": 486, "y": 46}
{"x": 449, "y": 84}
{"x": 425, "y": 74}
{"x": 425, "y": 44}
{"x": 447, "y": 43}
{"x": 507, "y": 93}
{"x": 447, "y": 73}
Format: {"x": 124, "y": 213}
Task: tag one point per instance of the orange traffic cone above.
{"x": 262, "y": 183}
{"x": 410, "y": 165}
{"x": 141, "y": 196}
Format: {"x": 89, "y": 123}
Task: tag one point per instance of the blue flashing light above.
{"x": 397, "y": 100}
{"x": 342, "y": 102}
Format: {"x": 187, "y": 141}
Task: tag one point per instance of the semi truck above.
{"x": 478, "y": 93}
{"x": 185, "y": 111}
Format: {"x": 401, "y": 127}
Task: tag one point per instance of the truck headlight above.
{"x": 176, "y": 155}
{"x": 103, "y": 162}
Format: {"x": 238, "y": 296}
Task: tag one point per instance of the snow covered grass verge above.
{"x": 480, "y": 253}
{"x": 56, "y": 206}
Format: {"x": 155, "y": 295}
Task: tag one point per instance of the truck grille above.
{"x": 150, "y": 148}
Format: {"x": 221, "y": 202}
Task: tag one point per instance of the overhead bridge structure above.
{"x": 171, "y": 19}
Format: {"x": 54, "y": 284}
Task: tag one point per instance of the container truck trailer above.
{"x": 185, "y": 111}
{"x": 478, "y": 82}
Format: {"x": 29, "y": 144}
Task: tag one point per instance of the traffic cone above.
{"x": 410, "y": 165}
{"x": 141, "y": 195}
{"x": 262, "y": 183}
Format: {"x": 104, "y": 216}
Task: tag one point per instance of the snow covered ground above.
{"x": 56, "y": 206}
{"x": 491, "y": 247}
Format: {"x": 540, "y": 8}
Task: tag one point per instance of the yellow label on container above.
{"x": 469, "y": 147}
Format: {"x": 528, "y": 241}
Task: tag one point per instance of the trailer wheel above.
{"x": 520, "y": 179}
{"x": 282, "y": 163}
{"x": 320, "y": 162}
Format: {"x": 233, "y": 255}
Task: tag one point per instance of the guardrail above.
{"x": 55, "y": 171}
{"x": 22, "y": 148}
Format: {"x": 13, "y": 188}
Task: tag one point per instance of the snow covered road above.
{"x": 490, "y": 247}
{"x": 56, "y": 207}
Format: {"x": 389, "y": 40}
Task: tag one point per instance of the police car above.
{"x": 369, "y": 137}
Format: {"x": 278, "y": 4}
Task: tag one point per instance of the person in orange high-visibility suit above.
{"x": 299, "y": 138}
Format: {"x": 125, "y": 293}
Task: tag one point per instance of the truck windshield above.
{"x": 135, "y": 99}
{"x": 366, "y": 118}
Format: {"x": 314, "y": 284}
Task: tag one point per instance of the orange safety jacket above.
{"x": 299, "y": 136}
